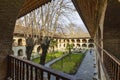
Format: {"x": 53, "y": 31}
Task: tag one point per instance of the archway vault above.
{"x": 111, "y": 37}
{"x": 90, "y": 12}
{"x": 92, "y": 15}
{"x": 9, "y": 12}
{"x": 30, "y": 5}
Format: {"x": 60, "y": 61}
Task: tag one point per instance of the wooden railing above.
{"x": 19, "y": 69}
{"x": 111, "y": 64}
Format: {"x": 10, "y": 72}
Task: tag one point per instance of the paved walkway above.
{"x": 86, "y": 70}
{"x": 51, "y": 62}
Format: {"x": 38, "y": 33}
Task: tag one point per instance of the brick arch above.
{"x": 8, "y": 14}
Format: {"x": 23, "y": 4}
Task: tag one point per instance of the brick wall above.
{"x": 8, "y": 13}
{"x": 112, "y": 28}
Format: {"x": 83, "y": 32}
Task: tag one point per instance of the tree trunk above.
{"x": 29, "y": 51}
{"x": 29, "y": 47}
{"x": 53, "y": 49}
{"x": 44, "y": 45}
{"x": 70, "y": 53}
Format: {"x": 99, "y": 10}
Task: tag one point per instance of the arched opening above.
{"x": 78, "y": 45}
{"x": 59, "y": 40}
{"x": 64, "y": 40}
{"x": 91, "y": 41}
{"x": 78, "y": 40}
{"x": 20, "y": 52}
{"x": 91, "y": 45}
{"x": 64, "y": 45}
{"x": 67, "y": 40}
{"x": 19, "y": 42}
{"x": 84, "y": 45}
{"x": 72, "y": 40}
{"x": 39, "y": 49}
{"x": 84, "y": 40}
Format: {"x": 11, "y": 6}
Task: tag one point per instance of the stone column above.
{"x": 81, "y": 43}
{"x": 75, "y": 43}
{"x": 58, "y": 44}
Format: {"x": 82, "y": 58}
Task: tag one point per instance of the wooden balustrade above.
{"x": 111, "y": 64}
{"x": 19, "y": 69}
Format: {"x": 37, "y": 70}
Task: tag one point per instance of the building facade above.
{"x": 19, "y": 44}
{"x": 78, "y": 43}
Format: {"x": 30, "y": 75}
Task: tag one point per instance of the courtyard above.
{"x": 31, "y": 31}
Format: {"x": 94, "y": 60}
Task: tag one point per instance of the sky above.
{"x": 75, "y": 18}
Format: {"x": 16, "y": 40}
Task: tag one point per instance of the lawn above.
{"x": 49, "y": 57}
{"x": 69, "y": 64}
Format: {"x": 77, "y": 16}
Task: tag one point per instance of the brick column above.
{"x": 8, "y": 13}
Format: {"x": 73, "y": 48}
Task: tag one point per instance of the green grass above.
{"x": 67, "y": 64}
{"x": 36, "y": 60}
{"x": 49, "y": 57}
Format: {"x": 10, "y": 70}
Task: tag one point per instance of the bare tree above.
{"x": 44, "y": 22}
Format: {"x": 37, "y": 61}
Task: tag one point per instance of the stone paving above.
{"x": 86, "y": 70}
{"x": 51, "y": 62}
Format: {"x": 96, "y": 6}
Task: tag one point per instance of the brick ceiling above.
{"x": 30, "y": 5}
{"x": 90, "y": 12}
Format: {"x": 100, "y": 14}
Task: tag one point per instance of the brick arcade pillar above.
{"x": 8, "y": 14}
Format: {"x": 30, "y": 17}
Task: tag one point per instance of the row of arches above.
{"x": 20, "y": 42}
{"x": 76, "y": 40}
{"x": 85, "y": 45}
{"x": 78, "y": 45}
